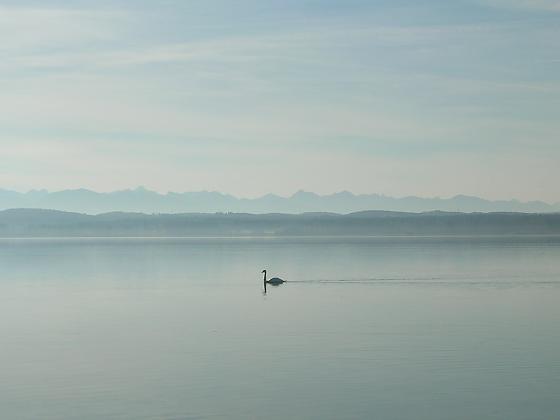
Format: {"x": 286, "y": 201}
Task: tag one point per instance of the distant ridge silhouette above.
{"x": 146, "y": 201}
{"x": 54, "y": 223}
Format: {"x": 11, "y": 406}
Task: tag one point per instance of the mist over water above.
{"x": 391, "y": 328}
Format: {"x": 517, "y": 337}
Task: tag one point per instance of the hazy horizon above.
{"x": 147, "y": 201}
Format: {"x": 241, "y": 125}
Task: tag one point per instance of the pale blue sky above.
{"x": 430, "y": 98}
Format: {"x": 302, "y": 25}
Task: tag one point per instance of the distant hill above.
{"x": 146, "y": 201}
{"x": 45, "y": 223}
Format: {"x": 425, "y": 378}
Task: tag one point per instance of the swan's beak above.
{"x": 263, "y": 271}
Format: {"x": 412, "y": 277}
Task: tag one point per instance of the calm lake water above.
{"x": 385, "y": 328}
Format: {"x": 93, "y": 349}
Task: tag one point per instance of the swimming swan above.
{"x": 275, "y": 281}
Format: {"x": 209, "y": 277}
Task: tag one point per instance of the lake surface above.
{"x": 385, "y": 328}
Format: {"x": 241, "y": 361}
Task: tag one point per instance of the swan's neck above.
{"x": 265, "y": 276}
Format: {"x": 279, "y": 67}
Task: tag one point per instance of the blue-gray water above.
{"x": 387, "y": 328}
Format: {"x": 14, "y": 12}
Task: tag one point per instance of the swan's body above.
{"x": 274, "y": 281}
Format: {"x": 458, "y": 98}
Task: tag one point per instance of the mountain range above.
{"x": 146, "y": 201}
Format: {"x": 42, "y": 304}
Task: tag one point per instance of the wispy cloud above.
{"x": 30, "y": 28}
{"x": 547, "y": 5}
{"x": 303, "y": 45}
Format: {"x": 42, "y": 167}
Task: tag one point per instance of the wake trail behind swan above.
{"x": 473, "y": 281}
{"x": 370, "y": 280}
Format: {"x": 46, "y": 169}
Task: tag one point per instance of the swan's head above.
{"x": 264, "y": 271}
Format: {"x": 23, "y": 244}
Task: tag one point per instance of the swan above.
{"x": 275, "y": 281}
